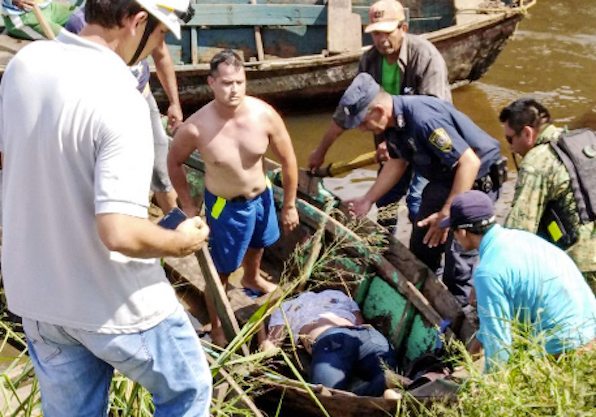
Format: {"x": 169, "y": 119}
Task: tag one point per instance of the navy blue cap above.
{"x": 353, "y": 105}
{"x": 470, "y": 209}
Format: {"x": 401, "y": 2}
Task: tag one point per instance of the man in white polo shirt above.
{"x": 78, "y": 255}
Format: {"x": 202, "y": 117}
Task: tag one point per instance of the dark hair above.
{"x": 226, "y": 56}
{"x": 525, "y": 112}
{"x": 110, "y": 13}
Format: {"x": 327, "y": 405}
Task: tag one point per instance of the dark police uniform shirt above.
{"x": 435, "y": 135}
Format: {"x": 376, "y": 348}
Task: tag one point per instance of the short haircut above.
{"x": 226, "y": 56}
{"x": 110, "y": 13}
{"x": 380, "y": 98}
{"x": 525, "y": 112}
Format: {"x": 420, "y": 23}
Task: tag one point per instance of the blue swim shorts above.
{"x": 238, "y": 224}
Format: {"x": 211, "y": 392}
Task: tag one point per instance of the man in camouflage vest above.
{"x": 543, "y": 182}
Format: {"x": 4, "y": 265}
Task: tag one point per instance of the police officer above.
{"x": 444, "y": 146}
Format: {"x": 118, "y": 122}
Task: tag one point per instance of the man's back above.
{"x": 65, "y": 161}
{"x": 523, "y": 277}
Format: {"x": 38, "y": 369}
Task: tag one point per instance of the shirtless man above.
{"x": 232, "y": 134}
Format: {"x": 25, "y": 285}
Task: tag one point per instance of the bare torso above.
{"x": 309, "y": 332}
{"x": 233, "y": 147}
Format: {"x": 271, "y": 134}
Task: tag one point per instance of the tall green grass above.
{"x": 531, "y": 384}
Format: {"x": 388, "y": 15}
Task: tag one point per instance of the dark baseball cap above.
{"x": 353, "y": 105}
{"x": 470, "y": 209}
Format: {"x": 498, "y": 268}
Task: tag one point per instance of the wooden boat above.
{"x": 304, "y": 50}
{"x": 398, "y": 294}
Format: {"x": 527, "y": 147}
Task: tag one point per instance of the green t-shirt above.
{"x": 391, "y": 77}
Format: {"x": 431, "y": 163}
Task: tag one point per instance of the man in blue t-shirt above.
{"x": 445, "y": 147}
{"x": 521, "y": 277}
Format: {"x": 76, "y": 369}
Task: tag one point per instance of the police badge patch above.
{"x": 440, "y": 139}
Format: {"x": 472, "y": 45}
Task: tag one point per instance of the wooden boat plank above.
{"x": 431, "y": 16}
{"x": 344, "y": 28}
{"x": 259, "y": 15}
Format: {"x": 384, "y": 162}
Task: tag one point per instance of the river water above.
{"x": 551, "y": 57}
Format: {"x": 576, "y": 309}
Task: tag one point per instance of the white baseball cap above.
{"x": 385, "y": 16}
{"x": 167, "y": 12}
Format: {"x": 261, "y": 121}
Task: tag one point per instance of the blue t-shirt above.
{"x": 523, "y": 277}
{"x": 435, "y": 135}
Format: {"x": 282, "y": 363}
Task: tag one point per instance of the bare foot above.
{"x": 218, "y": 337}
{"x": 260, "y": 285}
{"x": 390, "y": 394}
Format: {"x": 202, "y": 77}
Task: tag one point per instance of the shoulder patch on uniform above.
{"x": 441, "y": 140}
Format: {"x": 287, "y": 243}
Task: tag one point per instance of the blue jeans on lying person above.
{"x": 341, "y": 353}
{"x": 75, "y": 367}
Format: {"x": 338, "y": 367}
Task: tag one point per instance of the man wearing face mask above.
{"x": 91, "y": 292}
{"x": 401, "y": 63}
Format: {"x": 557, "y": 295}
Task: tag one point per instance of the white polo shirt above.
{"x": 77, "y": 141}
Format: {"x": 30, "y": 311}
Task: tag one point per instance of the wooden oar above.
{"x": 217, "y": 292}
{"x": 341, "y": 167}
{"x": 41, "y": 19}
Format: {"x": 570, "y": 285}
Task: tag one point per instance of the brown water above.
{"x": 552, "y": 57}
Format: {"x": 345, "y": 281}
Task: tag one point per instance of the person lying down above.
{"x": 330, "y": 327}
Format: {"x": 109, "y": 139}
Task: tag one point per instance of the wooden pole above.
{"x": 216, "y": 290}
{"x": 258, "y": 39}
{"x": 341, "y": 167}
{"x": 41, "y": 19}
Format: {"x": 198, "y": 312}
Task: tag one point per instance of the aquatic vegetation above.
{"x": 532, "y": 384}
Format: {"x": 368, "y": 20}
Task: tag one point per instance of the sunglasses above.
{"x": 509, "y": 138}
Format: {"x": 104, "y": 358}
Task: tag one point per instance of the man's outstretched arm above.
{"x": 182, "y": 146}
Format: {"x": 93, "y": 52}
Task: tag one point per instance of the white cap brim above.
{"x": 387, "y": 26}
{"x": 169, "y": 19}
{"x": 164, "y": 15}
